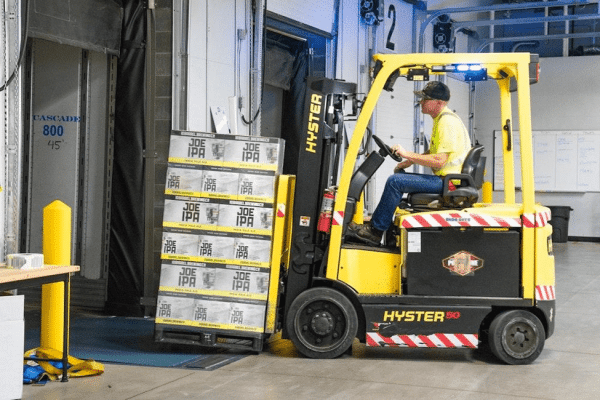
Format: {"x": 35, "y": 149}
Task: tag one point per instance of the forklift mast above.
{"x": 320, "y": 150}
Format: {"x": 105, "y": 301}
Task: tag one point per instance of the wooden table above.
{"x": 11, "y": 279}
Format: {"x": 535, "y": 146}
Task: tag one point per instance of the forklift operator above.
{"x": 450, "y": 144}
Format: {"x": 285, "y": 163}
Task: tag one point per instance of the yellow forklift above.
{"x": 455, "y": 272}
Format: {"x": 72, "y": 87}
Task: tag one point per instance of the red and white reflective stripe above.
{"x": 438, "y": 340}
{"x": 280, "y": 210}
{"x": 537, "y": 220}
{"x": 338, "y": 218}
{"x": 458, "y": 219}
{"x": 545, "y": 292}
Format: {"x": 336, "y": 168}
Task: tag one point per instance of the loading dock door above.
{"x": 67, "y": 155}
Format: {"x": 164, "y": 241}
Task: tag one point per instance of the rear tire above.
{"x": 322, "y": 323}
{"x": 517, "y": 337}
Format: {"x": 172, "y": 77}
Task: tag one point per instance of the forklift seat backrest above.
{"x": 467, "y": 185}
{"x": 474, "y": 165}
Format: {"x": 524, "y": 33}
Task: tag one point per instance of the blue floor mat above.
{"x": 130, "y": 341}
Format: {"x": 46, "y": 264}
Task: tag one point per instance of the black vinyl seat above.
{"x": 466, "y": 192}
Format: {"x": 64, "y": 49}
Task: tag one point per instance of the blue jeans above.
{"x": 395, "y": 187}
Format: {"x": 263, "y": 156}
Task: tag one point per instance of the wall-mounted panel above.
{"x": 319, "y": 14}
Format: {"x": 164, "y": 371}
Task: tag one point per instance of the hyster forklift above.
{"x": 454, "y": 272}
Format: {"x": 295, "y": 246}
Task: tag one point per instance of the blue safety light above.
{"x": 469, "y": 72}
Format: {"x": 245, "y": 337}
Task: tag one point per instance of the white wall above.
{"x": 319, "y": 14}
{"x": 214, "y": 53}
{"x": 393, "y": 119}
{"x": 566, "y": 98}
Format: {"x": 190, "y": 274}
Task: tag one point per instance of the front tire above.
{"x": 322, "y": 323}
{"x": 517, "y": 337}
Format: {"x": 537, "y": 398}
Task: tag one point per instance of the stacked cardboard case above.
{"x": 217, "y": 229}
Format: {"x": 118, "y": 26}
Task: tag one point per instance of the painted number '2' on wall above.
{"x": 391, "y": 14}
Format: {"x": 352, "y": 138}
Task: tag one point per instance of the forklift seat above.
{"x": 466, "y": 192}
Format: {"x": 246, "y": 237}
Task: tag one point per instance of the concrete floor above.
{"x": 568, "y": 368}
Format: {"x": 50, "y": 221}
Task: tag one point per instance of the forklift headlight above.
{"x": 550, "y": 252}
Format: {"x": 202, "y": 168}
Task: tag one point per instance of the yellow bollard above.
{"x": 487, "y": 192}
{"x": 56, "y": 238}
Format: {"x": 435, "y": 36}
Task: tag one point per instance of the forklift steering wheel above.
{"x": 388, "y": 151}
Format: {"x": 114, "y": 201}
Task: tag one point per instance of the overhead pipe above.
{"x": 531, "y": 20}
{"x": 533, "y": 43}
{"x": 537, "y": 37}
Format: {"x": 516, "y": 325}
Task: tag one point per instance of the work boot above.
{"x": 365, "y": 233}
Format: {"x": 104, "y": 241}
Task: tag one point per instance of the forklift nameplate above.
{"x": 313, "y": 126}
{"x": 462, "y": 263}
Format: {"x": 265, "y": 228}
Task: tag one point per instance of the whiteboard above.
{"x": 563, "y": 161}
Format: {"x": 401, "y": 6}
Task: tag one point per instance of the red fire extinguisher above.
{"x": 324, "y": 224}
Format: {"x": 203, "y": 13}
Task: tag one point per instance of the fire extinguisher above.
{"x": 324, "y": 224}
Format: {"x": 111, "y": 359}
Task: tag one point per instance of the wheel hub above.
{"x": 322, "y": 323}
{"x": 520, "y": 340}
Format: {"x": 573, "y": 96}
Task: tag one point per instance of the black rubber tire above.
{"x": 517, "y": 337}
{"x": 322, "y": 323}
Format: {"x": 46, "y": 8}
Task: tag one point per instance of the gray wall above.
{"x": 566, "y": 98}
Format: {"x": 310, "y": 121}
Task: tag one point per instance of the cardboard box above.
{"x": 190, "y": 212}
{"x": 252, "y": 250}
{"x": 218, "y": 220}
{"x": 254, "y": 152}
{"x": 12, "y": 339}
{"x": 196, "y": 148}
{"x": 179, "y": 243}
{"x": 256, "y": 186}
{"x": 246, "y": 216}
{"x": 214, "y": 279}
{"x": 216, "y": 246}
{"x": 210, "y": 312}
{"x": 220, "y": 182}
{"x": 184, "y": 180}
